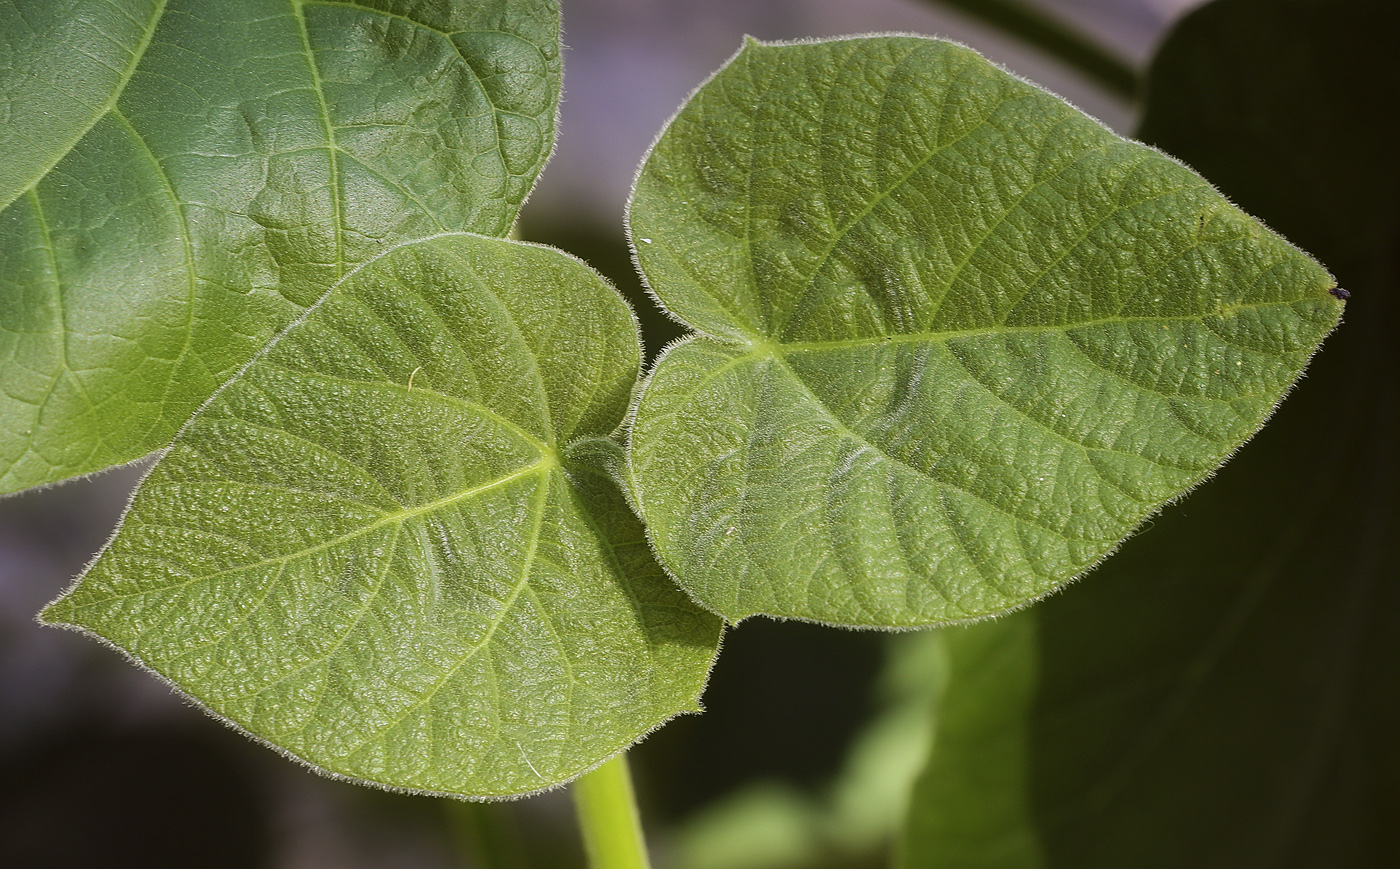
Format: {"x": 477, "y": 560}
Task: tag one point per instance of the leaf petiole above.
{"x": 608, "y": 818}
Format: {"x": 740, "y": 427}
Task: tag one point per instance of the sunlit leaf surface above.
{"x": 956, "y": 339}
{"x": 375, "y": 550}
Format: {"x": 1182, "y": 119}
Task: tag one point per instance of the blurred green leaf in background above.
{"x": 1223, "y": 692}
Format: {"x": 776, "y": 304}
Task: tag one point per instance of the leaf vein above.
{"x": 332, "y": 149}
{"x": 541, "y": 467}
{"x": 118, "y": 89}
{"x": 879, "y": 197}
{"x": 527, "y": 566}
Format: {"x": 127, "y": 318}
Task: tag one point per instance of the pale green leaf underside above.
{"x": 957, "y": 339}
{"x": 180, "y": 178}
{"x": 372, "y": 549}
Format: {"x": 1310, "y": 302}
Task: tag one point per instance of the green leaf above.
{"x": 1224, "y": 693}
{"x": 957, "y": 339}
{"x": 774, "y": 824}
{"x": 374, "y": 549}
{"x": 179, "y": 180}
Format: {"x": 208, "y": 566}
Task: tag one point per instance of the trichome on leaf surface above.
{"x": 418, "y": 520}
{"x": 954, "y": 339}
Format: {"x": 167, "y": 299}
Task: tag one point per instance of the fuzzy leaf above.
{"x": 179, "y": 180}
{"x": 373, "y": 549}
{"x": 1225, "y": 692}
{"x": 957, "y": 340}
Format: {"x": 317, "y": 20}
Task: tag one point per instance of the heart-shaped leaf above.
{"x": 178, "y": 180}
{"x": 376, "y": 550}
{"x": 957, "y": 339}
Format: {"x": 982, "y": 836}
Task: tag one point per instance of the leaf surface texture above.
{"x": 956, "y": 339}
{"x": 179, "y": 179}
{"x": 375, "y": 549}
{"x": 1223, "y": 693}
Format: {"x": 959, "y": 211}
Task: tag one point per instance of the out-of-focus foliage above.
{"x": 1223, "y": 692}
{"x": 772, "y": 824}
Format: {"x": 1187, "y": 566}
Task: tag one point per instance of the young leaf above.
{"x": 374, "y": 550}
{"x": 179, "y": 180}
{"x": 957, "y": 339}
{"x": 1225, "y": 693}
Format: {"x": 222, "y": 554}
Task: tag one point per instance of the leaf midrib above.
{"x": 539, "y": 500}
{"x": 860, "y": 437}
{"x": 544, "y": 465}
{"x": 760, "y": 345}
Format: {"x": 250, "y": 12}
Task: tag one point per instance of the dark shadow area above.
{"x": 783, "y": 702}
{"x": 152, "y": 799}
{"x": 1221, "y": 693}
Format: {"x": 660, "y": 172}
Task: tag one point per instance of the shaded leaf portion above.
{"x": 371, "y": 550}
{"x": 180, "y": 179}
{"x": 64, "y": 61}
{"x": 957, "y": 339}
{"x": 1224, "y": 692}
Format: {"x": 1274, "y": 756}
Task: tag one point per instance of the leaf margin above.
{"x": 563, "y": 467}
{"x": 756, "y": 341}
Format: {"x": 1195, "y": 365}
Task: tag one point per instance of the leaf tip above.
{"x": 56, "y": 614}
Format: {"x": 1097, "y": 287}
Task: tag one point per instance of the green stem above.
{"x": 485, "y": 834}
{"x": 1055, "y": 38}
{"x": 607, "y": 815}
